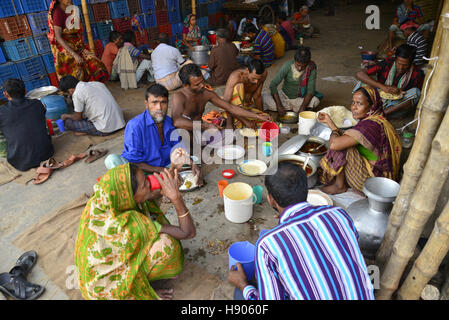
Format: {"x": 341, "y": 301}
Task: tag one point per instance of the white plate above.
{"x": 319, "y": 198}
{"x": 259, "y": 167}
{"x": 231, "y": 152}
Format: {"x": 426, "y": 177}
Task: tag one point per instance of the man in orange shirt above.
{"x": 110, "y": 52}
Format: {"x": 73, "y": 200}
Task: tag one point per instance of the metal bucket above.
{"x": 200, "y": 55}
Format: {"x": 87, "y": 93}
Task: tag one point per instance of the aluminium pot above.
{"x": 200, "y": 55}
{"x": 311, "y": 178}
{"x": 316, "y": 157}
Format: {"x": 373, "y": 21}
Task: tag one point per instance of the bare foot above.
{"x": 333, "y": 189}
{"x": 165, "y": 294}
{"x": 79, "y": 133}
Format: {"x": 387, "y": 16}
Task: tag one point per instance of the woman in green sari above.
{"x": 124, "y": 240}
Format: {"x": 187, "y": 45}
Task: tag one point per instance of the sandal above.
{"x": 24, "y": 264}
{"x": 51, "y": 163}
{"x": 72, "y": 159}
{"x": 43, "y": 174}
{"x": 95, "y": 154}
{"x": 18, "y": 287}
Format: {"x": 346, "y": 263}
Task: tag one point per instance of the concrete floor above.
{"x": 336, "y": 52}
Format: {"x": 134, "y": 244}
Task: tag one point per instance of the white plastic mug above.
{"x": 306, "y": 121}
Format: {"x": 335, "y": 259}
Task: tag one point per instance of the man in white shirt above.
{"x": 244, "y": 22}
{"x": 166, "y": 63}
{"x": 96, "y": 111}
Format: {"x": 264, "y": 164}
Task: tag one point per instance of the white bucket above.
{"x": 306, "y": 121}
{"x": 238, "y": 200}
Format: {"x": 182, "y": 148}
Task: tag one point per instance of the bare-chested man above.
{"x": 189, "y": 103}
{"x": 244, "y": 88}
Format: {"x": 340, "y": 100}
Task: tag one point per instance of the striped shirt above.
{"x": 263, "y": 46}
{"x": 417, "y": 40}
{"x": 313, "y": 254}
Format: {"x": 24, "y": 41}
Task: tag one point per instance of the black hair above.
{"x": 68, "y": 82}
{"x": 223, "y": 33}
{"x": 156, "y": 90}
{"x": 129, "y": 36}
{"x": 407, "y": 52}
{"x": 256, "y": 64}
{"x": 114, "y": 35}
{"x": 366, "y": 94}
{"x": 288, "y": 185}
{"x": 250, "y": 28}
{"x": 163, "y": 38}
{"x": 189, "y": 70}
{"x": 302, "y": 55}
{"x": 15, "y": 88}
{"x": 133, "y": 168}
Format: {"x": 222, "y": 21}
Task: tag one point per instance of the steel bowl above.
{"x": 368, "y": 55}
{"x": 289, "y": 117}
{"x": 41, "y": 92}
{"x": 315, "y": 156}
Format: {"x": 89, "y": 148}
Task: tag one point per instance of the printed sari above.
{"x": 375, "y": 134}
{"x": 194, "y": 33}
{"x": 92, "y": 68}
{"x": 119, "y": 250}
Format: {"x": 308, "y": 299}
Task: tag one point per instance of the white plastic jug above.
{"x": 306, "y": 121}
{"x": 238, "y": 200}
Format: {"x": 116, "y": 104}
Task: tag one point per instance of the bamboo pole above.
{"x": 432, "y": 113}
{"x": 428, "y": 262}
{"x": 88, "y": 28}
{"x": 421, "y": 208}
{"x": 194, "y": 7}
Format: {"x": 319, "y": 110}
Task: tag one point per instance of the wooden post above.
{"x": 88, "y": 28}
{"x": 428, "y": 262}
{"x": 432, "y": 113}
{"x": 194, "y": 7}
{"x": 421, "y": 208}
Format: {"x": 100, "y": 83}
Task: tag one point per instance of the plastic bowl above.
{"x": 368, "y": 55}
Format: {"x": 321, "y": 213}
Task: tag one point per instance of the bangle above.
{"x": 185, "y": 214}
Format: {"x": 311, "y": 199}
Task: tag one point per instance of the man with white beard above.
{"x": 150, "y": 136}
{"x": 298, "y": 90}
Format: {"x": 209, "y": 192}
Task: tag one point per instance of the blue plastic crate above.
{"x": 10, "y": 8}
{"x": 172, "y": 5}
{"x": 37, "y": 83}
{"x": 38, "y": 22}
{"x": 93, "y": 28}
{"x": 176, "y": 28}
{"x": 103, "y": 29}
{"x": 148, "y": 6}
{"x": 30, "y": 6}
{"x": 19, "y": 49}
{"x": 90, "y": 12}
{"x": 174, "y": 16}
{"x": 2, "y": 57}
{"x": 8, "y": 70}
{"x": 42, "y": 44}
{"x": 150, "y": 20}
{"x": 49, "y": 62}
{"x": 119, "y": 9}
{"x": 204, "y": 1}
{"x": 31, "y": 68}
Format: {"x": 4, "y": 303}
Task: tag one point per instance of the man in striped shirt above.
{"x": 313, "y": 253}
{"x": 262, "y": 44}
{"x": 416, "y": 40}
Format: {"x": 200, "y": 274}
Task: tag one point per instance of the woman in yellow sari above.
{"x": 371, "y": 148}
{"x": 124, "y": 241}
{"x": 71, "y": 54}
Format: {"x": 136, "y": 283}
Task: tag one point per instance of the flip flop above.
{"x": 18, "y": 287}
{"x": 43, "y": 174}
{"x": 72, "y": 159}
{"x": 51, "y": 163}
{"x": 24, "y": 264}
{"x": 95, "y": 154}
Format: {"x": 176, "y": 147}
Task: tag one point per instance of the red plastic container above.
{"x": 268, "y": 131}
{"x": 162, "y": 17}
{"x": 154, "y": 183}
{"x": 13, "y": 28}
{"x": 212, "y": 38}
{"x": 122, "y": 24}
{"x": 165, "y": 29}
{"x": 141, "y": 39}
{"x": 53, "y": 79}
{"x": 101, "y": 12}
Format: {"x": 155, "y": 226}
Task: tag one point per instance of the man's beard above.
{"x": 158, "y": 117}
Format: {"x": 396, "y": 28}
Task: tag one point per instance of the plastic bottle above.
{"x": 407, "y": 139}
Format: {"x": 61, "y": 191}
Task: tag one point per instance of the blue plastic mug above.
{"x": 267, "y": 149}
{"x": 245, "y": 253}
{"x": 60, "y": 124}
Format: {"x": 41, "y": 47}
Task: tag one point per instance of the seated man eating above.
{"x": 150, "y": 137}
{"x": 96, "y": 111}
{"x": 298, "y": 89}
{"x": 243, "y": 89}
{"x": 395, "y": 76}
{"x": 189, "y": 103}
{"x": 23, "y": 124}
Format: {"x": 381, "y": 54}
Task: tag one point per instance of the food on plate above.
{"x": 390, "y": 96}
{"x": 341, "y": 116}
{"x": 310, "y": 145}
{"x": 250, "y": 168}
{"x": 190, "y": 181}
{"x": 248, "y": 132}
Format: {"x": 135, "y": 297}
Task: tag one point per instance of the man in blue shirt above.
{"x": 150, "y": 137}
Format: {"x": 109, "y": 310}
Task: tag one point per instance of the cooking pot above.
{"x": 311, "y": 178}
{"x": 200, "y": 55}
{"x": 316, "y": 157}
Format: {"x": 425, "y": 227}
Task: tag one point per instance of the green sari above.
{"x": 119, "y": 250}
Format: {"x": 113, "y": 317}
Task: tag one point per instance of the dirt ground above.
{"x": 336, "y": 53}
